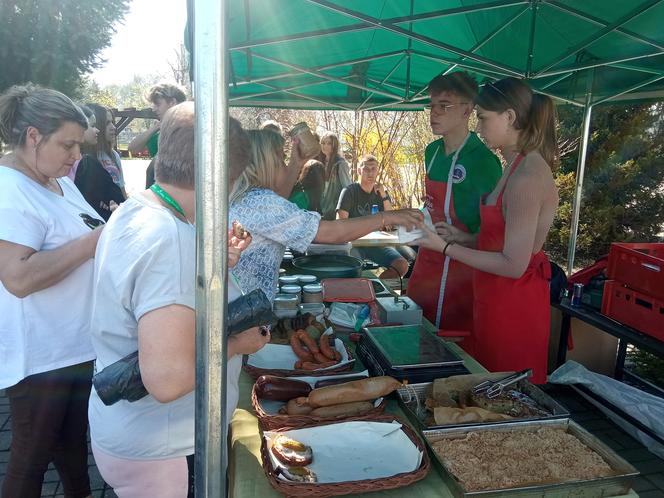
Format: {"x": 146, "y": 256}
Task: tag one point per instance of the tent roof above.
{"x": 368, "y": 54}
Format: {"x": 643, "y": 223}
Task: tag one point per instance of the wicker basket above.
{"x": 256, "y": 372}
{"x": 269, "y": 422}
{"x": 350, "y": 487}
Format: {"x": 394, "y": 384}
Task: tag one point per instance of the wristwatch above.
{"x": 386, "y": 198}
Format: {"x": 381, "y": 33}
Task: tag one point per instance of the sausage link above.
{"x": 325, "y": 347}
{"x": 298, "y": 348}
{"x": 307, "y": 341}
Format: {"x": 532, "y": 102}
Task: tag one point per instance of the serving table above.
{"x": 247, "y": 478}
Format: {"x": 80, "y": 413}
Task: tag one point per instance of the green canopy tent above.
{"x": 380, "y": 54}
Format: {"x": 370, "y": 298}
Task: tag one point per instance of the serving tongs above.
{"x": 494, "y": 388}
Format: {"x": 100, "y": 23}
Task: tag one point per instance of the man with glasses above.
{"x": 459, "y": 170}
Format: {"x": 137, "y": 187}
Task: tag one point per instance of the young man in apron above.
{"x": 459, "y": 170}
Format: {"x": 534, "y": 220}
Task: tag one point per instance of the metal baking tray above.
{"x": 616, "y": 485}
{"x": 545, "y": 401}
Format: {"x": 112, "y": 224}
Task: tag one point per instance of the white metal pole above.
{"x": 578, "y": 191}
{"x": 211, "y": 91}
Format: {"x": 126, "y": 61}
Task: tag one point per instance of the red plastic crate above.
{"x": 633, "y": 308}
{"x": 639, "y": 267}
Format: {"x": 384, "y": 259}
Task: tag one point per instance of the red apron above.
{"x": 511, "y": 316}
{"x": 448, "y": 306}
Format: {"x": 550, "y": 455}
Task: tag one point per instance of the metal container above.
{"x": 577, "y": 295}
{"x": 329, "y": 266}
{"x": 411, "y": 393}
{"x": 618, "y": 484}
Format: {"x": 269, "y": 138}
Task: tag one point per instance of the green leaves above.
{"x": 55, "y": 43}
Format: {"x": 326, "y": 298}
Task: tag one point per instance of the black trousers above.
{"x": 49, "y": 423}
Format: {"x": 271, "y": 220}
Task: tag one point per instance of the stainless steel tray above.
{"x": 420, "y": 390}
{"x": 618, "y": 484}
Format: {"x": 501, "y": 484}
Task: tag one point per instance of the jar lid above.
{"x": 312, "y": 288}
{"x": 306, "y": 279}
{"x": 287, "y": 257}
{"x": 288, "y": 279}
{"x": 291, "y": 289}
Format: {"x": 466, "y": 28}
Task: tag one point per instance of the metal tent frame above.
{"x": 288, "y": 84}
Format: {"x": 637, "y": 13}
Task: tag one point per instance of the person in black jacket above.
{"x": 91, "y": 178}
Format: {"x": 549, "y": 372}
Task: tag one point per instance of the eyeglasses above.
{"x": 90, "y": 221}
{"x": 442, "y": 108}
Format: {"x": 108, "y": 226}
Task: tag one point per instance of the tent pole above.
{"x": 211, "y": 93}
{"x": 580, "y": 172}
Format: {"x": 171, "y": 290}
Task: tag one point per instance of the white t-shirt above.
{"x": 48, "y": 329}
{"x": 146, "y": 259}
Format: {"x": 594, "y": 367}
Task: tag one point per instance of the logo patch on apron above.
{"x": 459, "y": 173}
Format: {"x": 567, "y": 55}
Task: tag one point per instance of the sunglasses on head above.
{"x": 492, "y": 85}
{"x": 90, "y": 221}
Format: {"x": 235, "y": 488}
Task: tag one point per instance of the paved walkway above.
{"x": 52, "y": 487}
{"x": 650, "y": 484}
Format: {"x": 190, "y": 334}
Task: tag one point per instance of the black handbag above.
{"x": 122, "y": 379}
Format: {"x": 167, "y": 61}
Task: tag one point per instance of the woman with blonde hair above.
{"x": 337, "y": 174}
{"x": 511, "y": 279}
{"x": 275, "y": 223}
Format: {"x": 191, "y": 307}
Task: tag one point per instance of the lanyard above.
{"x": 165, "y": 196}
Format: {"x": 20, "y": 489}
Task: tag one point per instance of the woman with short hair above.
{"x": 48, "y": 238}
{"x": 144, "y": 299}
{"x": 511, "y": 279}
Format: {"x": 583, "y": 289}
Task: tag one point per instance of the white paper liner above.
{"x": 355, "y": 451}
{"x": 406, "y": 236}
{"x": 282, "y": 357}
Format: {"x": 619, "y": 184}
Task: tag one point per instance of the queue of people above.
{"x": 76, "y": 290}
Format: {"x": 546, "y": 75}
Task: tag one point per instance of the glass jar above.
{"x": 312, "y": 293}
{"x": 292, "y": 289}
{"x": 309, "y": 146}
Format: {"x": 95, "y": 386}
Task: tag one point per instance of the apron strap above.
{"x": 448, "y": 219}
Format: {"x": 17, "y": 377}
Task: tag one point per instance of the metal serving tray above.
{"x": 545, "y": 401}
{"x": 618, "y": 484}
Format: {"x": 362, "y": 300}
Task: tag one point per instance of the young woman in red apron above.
{"x": 511, "y": 307}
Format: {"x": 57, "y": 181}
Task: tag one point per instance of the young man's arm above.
{"x": 140, "y": 141}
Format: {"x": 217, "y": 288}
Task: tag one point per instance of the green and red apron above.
{"x": 441, "y": 286}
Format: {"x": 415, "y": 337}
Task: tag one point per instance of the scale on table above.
{"x": 408, "y": 352}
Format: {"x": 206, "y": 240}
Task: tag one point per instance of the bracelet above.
{"x": 446, "y": 246}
